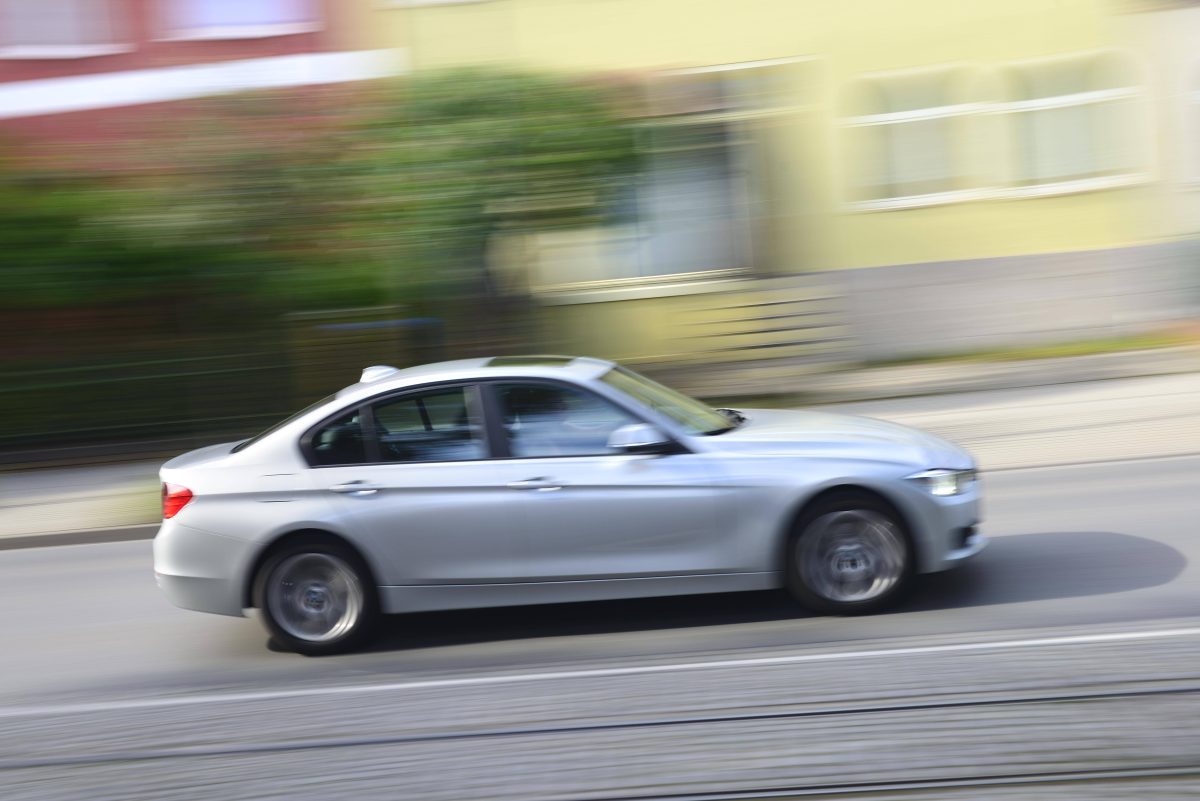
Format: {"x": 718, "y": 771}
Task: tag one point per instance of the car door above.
{"x": 592, "y": 512}
{"x": 411, "y": 477}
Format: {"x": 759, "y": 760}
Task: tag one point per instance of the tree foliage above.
{"x": 386, "y": 195}
{"x": 464, "y": 154}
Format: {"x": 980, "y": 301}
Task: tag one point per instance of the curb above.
{"x": 142, "y": 531}
{"x": 880, "y": 383}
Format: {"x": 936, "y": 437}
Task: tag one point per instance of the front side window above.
{"x": 553, "y": 420}
{"x": 435, "y": 426}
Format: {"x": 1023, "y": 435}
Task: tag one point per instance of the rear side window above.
{"x": 435, "y": 426}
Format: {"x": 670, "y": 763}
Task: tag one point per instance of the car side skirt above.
{"x": 428, "y": 598}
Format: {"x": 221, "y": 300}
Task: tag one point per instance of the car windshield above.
{"x": 690, "y": 413}
{"x": 282, "y": 423}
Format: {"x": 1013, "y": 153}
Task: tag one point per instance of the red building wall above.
{"x": 143, "y": 24}
{"x": 146, "y": 26}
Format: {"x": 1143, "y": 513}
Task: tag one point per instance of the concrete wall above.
{"x": 915, "y": 310}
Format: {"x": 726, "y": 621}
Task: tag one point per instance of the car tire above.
{"x": 316, "y": 596}
{"x": 849, "y": 554}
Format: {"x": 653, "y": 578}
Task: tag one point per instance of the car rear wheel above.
{"x": 316, "y": 597}
{"x": 849, "y": 554}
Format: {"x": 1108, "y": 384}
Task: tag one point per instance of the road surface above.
{"x": 1064, "y": 663}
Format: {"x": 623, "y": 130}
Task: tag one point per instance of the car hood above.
{"x": 807, "y": 433}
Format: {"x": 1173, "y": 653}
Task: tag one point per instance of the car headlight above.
{"x": 942, "y": 482}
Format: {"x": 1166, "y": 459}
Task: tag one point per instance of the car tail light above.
{"x": 174, "y": 498}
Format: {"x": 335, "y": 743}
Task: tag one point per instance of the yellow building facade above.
{"x": 805, "y": 138}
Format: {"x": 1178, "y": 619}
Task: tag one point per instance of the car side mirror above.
{"x": 640, "y": 438}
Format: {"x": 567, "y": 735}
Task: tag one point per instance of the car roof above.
{"x": 382, "y": 377}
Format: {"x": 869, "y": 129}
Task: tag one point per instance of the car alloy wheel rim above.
{"x": 315, "y": 597}
{"x": 851, "y": 556}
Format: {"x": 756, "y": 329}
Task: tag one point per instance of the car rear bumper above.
{"x": 200, "y": 594}
{"x": 200, "y": 570}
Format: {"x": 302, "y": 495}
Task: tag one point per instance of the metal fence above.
{"x": 194, "y": 391}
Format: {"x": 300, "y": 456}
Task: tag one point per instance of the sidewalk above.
{"x": 1009, "y": 414}
{"x": 954, "y": 377}
{"x": 67, "y": 499}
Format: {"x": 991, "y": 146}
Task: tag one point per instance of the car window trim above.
{"x": 369, "y": 432}
{"x": 421, "y": 410}
{"x": 366, "y": 422}
{"x": 484, "y": 404}
{"x": 493, "y": 416}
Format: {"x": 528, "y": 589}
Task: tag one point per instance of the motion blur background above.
{"x": 213, "y": 212}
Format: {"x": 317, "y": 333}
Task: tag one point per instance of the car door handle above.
{"x": 356, "y": 488}
{"x": 541, "y": 484}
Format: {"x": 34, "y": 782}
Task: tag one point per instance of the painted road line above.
{"x": 566, "y": 675}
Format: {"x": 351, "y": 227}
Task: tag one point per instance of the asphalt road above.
{"x": 1066, "y": 659}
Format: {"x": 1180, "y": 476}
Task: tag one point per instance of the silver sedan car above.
{"x": 527, "y": 480}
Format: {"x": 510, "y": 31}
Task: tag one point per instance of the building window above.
{"x": 687, "y": 211}
{"x": 238, "y": 19}
{"x": 1074, "y": 124}
{"x": 691, "y": 208}
{"x": 417, "y": 3}
{"x": 905, "y": 138}
{"x": 687, "y": 207}
{"x": 38, "y": 29}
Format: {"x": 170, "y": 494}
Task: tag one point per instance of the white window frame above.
{"x": 1088, "y": 98}
{"x": 55, "y": 52}
{"x": 996, "y": 190}
{"x": 739, "y": 66}
{"x": 231, "y": 32}
{"x": 44, "y": 52}
{"x": 955, "y": 111}
{"x": 949, "y": 111}
{"x": 419, "y": 3}
{"x": 165, "y": 84}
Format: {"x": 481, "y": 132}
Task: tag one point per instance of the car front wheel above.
{"x": 849, "y": 554}
{"x": 316, "y": 597}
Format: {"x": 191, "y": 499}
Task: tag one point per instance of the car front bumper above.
{"x": 970, "y": 541}
{"x": 946, "y": 529}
